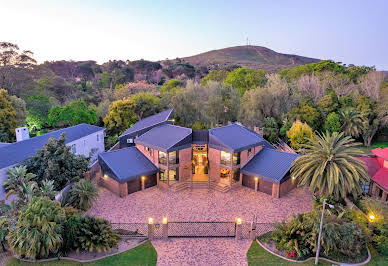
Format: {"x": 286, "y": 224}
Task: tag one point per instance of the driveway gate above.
{"x": 201, "y": 229}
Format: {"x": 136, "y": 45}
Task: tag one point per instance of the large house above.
{"x": 83, "y": 139}
{"x": 378, "y": 171}
{"x": 154, "y": 152}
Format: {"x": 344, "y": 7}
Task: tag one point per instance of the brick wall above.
{"x": 214, "y": 157}
{"x": 286, "y": 186}
{"x": 184, "y": 164}
{"x": 244, "y": 155}
{"x": 110, "y": 184}
{"x": 276, "y": 190}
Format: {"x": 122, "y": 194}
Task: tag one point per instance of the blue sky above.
{"x": 346, "y": 31}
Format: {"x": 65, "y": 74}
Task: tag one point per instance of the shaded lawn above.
{"x": 374, "y": 145}
{"x": 144, "y": 254}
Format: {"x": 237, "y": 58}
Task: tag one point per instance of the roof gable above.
{"x": 166, "y": 137}
{"x": 17, "y": 152}
{"x": 382, "y": 153}
{"x": 235, "y": 138}
{"x": 148, "y": 122}
{"x": 127, "y": 164}
{"x": 270, "y": 164}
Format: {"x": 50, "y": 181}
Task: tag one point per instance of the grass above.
{"x": 374, "y": 145}
{"x": 144, "y": 254}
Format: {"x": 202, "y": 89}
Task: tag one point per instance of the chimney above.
{"x": 22, "y": 133}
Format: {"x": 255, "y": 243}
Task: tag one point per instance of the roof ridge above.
{"x": 282, "y": 151}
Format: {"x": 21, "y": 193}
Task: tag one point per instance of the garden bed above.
{"x": 269, "y": 245}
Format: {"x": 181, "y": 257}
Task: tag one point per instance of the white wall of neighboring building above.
{"x": 84, "y": 146}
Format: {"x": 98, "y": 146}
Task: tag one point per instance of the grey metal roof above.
{"x": 3, "y": 144}
{"x": 19, "y": 151}
{"x": 166, "y": 137}
{"x": 127, "y": 164}
{"x": 149, "y": 122}
{"x": 270, "y": 164}
{"x": 200, "y": 136}
{"x": 235, "y": 138}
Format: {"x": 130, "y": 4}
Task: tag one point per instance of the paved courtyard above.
{"x": 200, "y": 205}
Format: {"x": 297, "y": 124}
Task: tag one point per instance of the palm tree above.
{"x": 20, "y": 182}
{"x": 330, "y": 167}
{"x": 352, "y": 122}
{"x": 83, "y": 194}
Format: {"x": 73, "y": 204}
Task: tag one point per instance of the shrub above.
{"x": 381, "y": 243}
{"x": 38, "y": 230}
{"x": 82, "y": 195}
{"x": 89, "y": 233}
{"x": 71, "y": 211}
{"x": 299, "y": 134}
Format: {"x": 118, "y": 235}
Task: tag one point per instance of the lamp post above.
{"x": 320, "y": 229}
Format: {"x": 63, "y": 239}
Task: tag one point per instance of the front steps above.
{"x": 221, "y": 187}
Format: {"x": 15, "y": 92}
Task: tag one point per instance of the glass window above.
{"x": 174, "y": 175}
{"x": 173, "y": 157}
{"x": 73, "y": 148}
{"x": 162, "y": 158}
{"x": 249, "y": 152}
{"x": 236, "y": 158}
{"x": 225, "y": 158}
{"x": 236, "y": 176}
{"x": 98, "y": 137}
{"x": 162, "y": 175}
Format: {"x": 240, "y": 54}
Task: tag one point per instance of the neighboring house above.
{"x": 175, "y": 157}
{"x": 378, "y": 171}
{"x": 83, "y": 139}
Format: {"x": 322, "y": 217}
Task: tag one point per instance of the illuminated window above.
{"x": 225, "y": 158}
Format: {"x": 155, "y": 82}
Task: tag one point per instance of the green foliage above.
{"x": 38, "y": 231}
{"x": 332, "y": 123}
{"x": 339, "y": 236}
{"x": 8, "y": 117}
{"x": 299, "y": 134}
{"x": 215, "y": 75}
{"x": 71, "y": 211}
{"x": 243, "y": 79}
{"x": 20, "y": 108}
{"x": 352, "y": 122}
{"x": 20, "y": 183}
{"x": 89, "y": 233}
{"x": 328, "y": 103}
{"x": 4, "y": 230}
{"x": 270, "y": 129}
{"x": 56, "y": 162}
{"x": 170, "y": 86}
{"x": 120, "y": 117}
{"x": 307, "y": 114}
{"x": 38, "y": 107}
{"x": 146, "y": 104}
{"x": 73, "y": 114}
{"x": 330, "y": 167}
{"x": 82, "y": 195}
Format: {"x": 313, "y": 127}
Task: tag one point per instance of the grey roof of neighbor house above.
{"x": 19, "y": 151}
{"x": 166, "y": 138}
{"x": 150, "y": 121}
{"x": 235, "y": 138}
{"x": 270, "y": 164}
{"x": 127, "y": 164}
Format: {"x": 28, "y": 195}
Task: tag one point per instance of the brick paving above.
{"x": 200, "y": 205}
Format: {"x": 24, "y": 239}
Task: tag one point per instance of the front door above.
{"x": 200, "y": 163}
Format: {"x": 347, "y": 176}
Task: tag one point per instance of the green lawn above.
{"x": 374, "y": 145}
{"x": 144, "y": 254}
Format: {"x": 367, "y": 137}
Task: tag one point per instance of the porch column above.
{"x": 191, "y": 173}
{"x": 231, "y": 170}
{"x": 384, "y": 197}
{"x": 168, "y": 169}
{"x": 157, "y": 179}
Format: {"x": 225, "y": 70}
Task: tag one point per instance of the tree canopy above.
{"x": 72, "y": 114}
{"x": 121, "y": 116}
{"x": 8, "y": 120}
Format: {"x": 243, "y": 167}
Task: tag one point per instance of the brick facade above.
{"x": 214, "y": 157}
{"x": 286, "y": 186}
{"x": 184, "y": 164}
{"x": 276, "y": 190}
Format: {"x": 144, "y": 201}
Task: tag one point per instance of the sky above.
{"x": 352, "y": 32}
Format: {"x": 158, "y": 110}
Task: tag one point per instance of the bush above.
{"x": 82, "y": 195}
{"x": 381, "y": 242}
{"x": 70, "y": 211}
{"x": 89, "y": 233}
{"x": 38, "y": 230}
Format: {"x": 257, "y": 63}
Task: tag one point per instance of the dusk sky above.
{"x": 346, "y": 31}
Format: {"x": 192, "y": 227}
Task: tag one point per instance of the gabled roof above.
{"x": 19, "y": 151}
{"x": 270, "y": 164}
{"x": 127, "y": 164}
{"x": 382, "y": 153}
{"x": 166, "y": 138}
{"x": 3, "y": 144}
{"x": 381, "y": 178}
{"x": 372, "y": 164}
{"x": 150, "y": 121}
{"x": 235, "y": 138}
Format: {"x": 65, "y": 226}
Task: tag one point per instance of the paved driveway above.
{"x": 200, "y": 205}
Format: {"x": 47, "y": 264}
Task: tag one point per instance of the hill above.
{"x": 249, "y": 56}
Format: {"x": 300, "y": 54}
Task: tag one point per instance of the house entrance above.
{"x": 200, "y": 162}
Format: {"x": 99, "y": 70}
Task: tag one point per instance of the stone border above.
{"x": 82, "y": 261}
{"x": 312, "y": 258}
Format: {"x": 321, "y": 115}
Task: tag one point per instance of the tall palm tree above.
{"x": 20, "y": 182}
{"x": 83, "y": 194}
{"x": 352, "y": 122}
{"x": 330, "y": 167}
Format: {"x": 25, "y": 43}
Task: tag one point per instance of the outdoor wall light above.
{"x": 142, "y": 178}
{"x": 150, "y": 220}
{"x": 238, "y": 220}
{"x": 164, "y": 220}
{"x": 256, "y": 178}
{"x": 371, "y": 217}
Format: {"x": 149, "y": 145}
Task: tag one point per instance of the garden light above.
{"x": 150, "y": 220}
{"x": 238, "y": 220}
{"x": 164, "y": 220}
{"x": 372, "y": 217}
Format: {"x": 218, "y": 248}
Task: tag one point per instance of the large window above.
{"x": 225, "y": 158}
{"x": 163, "y": 175}
{"x": 236, "y": 158}
{"x": 173, "y": 157}
{"x": 173, "y": 175}
{"x": 162, "y": 158}
{"x": 236, "y": 176}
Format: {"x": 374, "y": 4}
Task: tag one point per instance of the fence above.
{"x": 247, "y": 230}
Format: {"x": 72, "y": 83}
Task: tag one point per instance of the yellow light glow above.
{"x": 256, "y": 178}
{"x": 150, "y": 221}
{"x": 372, "y": 217}
{"x": 142, "y": 178}
{"x": 293, "y": 177}
{"x": 164, "y": 220}
{"x": 238, "y": 220}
